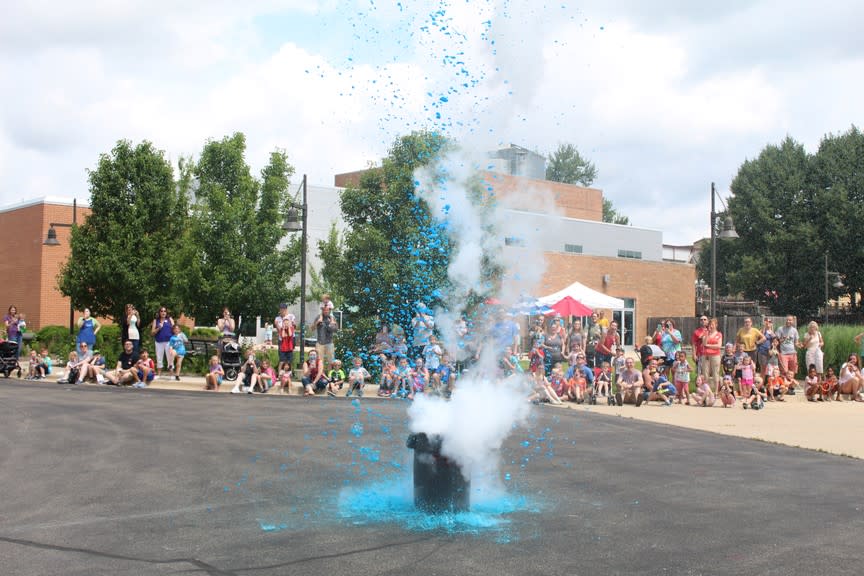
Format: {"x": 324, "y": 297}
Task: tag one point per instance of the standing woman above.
{"x": 553, "y": 345}
{"x": 88, "y": 327}
{"x": 712, "y": 348}
{"x": 576, "y": 338}
{"x": 133, "y": 319}
{"x": 763, "y": 349}
{"x": 225, "y": 323}
{"x": 12, "y": 331}
{"x": 813, "y": 344}
{"x": 609, "y": 343}
{"x": 162, "y": 330}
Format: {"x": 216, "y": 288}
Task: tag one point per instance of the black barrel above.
{"x": 439, "y": 485}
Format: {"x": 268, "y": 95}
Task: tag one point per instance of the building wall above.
{"x": 28, "y": 267}
{"x": 348, "y": 179}
{"x": 551, "y": 233}
{"x": 659, "y": 288}
{"x": 569, "y": 200}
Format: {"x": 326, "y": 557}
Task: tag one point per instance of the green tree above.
{"x": 568, "y": 166}
{"x": 331, "y": 252}
{"x": 396, "y": 253}
{"x": 611, "y": 215}
{"x": 124, "y": 250}
{"x": 231, "y": 254}
{"x": 838, "y": 191}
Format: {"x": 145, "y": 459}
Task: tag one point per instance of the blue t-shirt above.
{"x": 178, "y": 343}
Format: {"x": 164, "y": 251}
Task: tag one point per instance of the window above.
{"x": 573, "y": 248}
{"x": 634, "y": 254}
{"x": 514, "y": 241}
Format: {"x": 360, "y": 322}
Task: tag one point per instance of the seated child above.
{"x": 146, "y": 370}
{"x": 756, "y": 399}
{"x": 266, "y": 377}
{"x": 578, "y": 384}
{"x": 829, "y": 384}
{"x": 336, "y": 377}
{"x": 448, "y": 376}
{"x": 357, "y": 377}
{"x": 47, "y": 362}
{"x": 285, "y": 380}
{"x": 403, "y": 379}
{"x": 387, "y": 381}
{"x": 727, "y": 391}
{"x": 703, "y": 396}
{"x": 435, "y": 387}
{"x": 562, "y": 386}
{"x": 603, "y": 382}
{"x": 775, "y": 386}
{"x": 543, "y": 391}
{"x": 419, "y": 379}
{"x": 73, "y": 369}
{"x": 510, "y": 363}
{"x": 35, "y": 370}
{"x": 664, "y": 390}
{"x": 812, "y": 385}
{"x": 215, "y": 374}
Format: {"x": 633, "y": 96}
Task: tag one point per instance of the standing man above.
{"x": 325, "y": 327}
{"x": 788, "y": 336}
{"x": 749, "y": 337}
{"x": 696, "y": 340}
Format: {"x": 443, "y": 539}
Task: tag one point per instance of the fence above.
{"x": 727, "y": 325}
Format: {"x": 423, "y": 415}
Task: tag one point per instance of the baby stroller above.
{"x": 231, "y": 358}
{"x": 9, "y": 358}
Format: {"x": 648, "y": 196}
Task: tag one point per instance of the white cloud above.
{"x": 664, "y": 98}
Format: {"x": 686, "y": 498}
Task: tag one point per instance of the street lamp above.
{"x": 838, "y": 283}
{"x": 702, "y": 290}
{"x": 295, "y": 222}
{"x": 727, "y": 232}
{"x": 52, "y": 240}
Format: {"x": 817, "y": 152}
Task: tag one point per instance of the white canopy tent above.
{"x": 585, "y": 295}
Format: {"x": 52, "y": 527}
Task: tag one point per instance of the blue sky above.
{"x": 665, "y": 97}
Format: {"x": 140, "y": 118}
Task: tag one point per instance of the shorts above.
{"x": 286, "y": 357}
{"x": 150, "y": 375}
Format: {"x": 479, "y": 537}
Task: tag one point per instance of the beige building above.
{"x": 622, "y": 261}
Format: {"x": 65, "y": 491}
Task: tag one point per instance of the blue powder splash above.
{"x": 391, "y": 501}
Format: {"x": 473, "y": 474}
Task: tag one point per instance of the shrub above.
{"x": 203, "y": 333}
{"x": 108, "y": 343}
{"x": 57, "y": 340}
{"x": 839, "y": 344}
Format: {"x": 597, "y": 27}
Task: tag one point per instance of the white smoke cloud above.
{"x": 474, "y": 423}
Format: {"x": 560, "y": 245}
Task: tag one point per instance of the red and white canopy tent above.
{"x": 583, "y": 295}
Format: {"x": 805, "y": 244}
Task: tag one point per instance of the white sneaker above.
{"x": 100, "y": 379}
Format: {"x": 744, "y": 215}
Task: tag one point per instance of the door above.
{"x": 624, "y": 319}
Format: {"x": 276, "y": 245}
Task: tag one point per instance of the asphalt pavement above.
{"x": 100, "y": 480}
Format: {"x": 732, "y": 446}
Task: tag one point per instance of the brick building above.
{"x": 29, "y": 268}
{"x": 622, "y": 261}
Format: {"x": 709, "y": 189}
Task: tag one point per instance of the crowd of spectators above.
{"x": 579, "y": 361}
